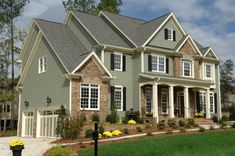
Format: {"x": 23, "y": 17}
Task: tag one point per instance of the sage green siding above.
{"x": 159, "y": 39}
{"x": 52, "y": 83}
{"x": 81, "y": 34}
{"x": 123, "y": 78}
{"x": 146, "y": 65}
{"x": 29, "y": 46}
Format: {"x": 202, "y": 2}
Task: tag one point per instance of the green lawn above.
{"x": 202, "y": 144}
{"x": 8, "y": 133}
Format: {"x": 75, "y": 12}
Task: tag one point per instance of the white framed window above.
{"x": 164, "y": 101}
{"x": 158, "y": 64}
{"x": 148, "y": 98}
{"x": 170, "y": 34}
{"x": 118, "y": 61}
{"x": 118, "y": 98}
{"x": 202, "y": 102}
{"x": 187, "y": 67}
{"x": 89, "y": 96}
{"x": 209, "y": 71}
{"x": 5, "y": 108}
{"x": 212, "y": 103}
{"x": 42, "y": 64}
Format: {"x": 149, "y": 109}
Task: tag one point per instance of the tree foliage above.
{"x": 86, "y": 6}
{"x": 110, "y": 6}
{"x": 226, "y": 79}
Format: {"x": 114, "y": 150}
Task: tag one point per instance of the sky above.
{"x": 211, "y": 22}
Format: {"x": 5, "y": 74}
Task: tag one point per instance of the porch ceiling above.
{"x": 172, "y": 81}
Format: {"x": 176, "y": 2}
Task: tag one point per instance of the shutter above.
{"x": 123, "y": 63}
{"x": 166, "y": 34}
{"x": 197, "y": 102}
{"x": 173, "y": 35}
{"x": 215, "y": 98}
{"x": 150, "y": 62}
{"x": 124, "y": 98}
{"x": 167, "y": 65}
{"x": 112, "y": 62}
{"x": 112, "y": 97}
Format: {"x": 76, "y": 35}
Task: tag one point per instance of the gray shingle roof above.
{"x": 136, "y": 29}
{"x": 67, "y": 46}
{"x": 102, "y": 32}
{"x": 202, "y": 49}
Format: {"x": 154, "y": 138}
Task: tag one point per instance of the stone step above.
{"x": 204, "y": 121}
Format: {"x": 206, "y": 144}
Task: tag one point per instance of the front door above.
{"x": 180, "y": 104}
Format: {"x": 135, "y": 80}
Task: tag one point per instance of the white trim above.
{"x": 212, "y": 94}
{"x": 142, "y": 61}
{"x": 68, "y": 18}
{"x": 27, "y": 40}
{"x": 84, "y": 27}
{"x": 210, "y": 49}
{"x": 212, "y": 70}
{"x": 89, "y": 105}
{"x": 44, "y": 65}
{"x": 102, "y": 55}
{"x": 172, "y": 35}
{"x": 121, "y": 61}
{"x": 31, "y": 56}
{"x": 163, "y": 23}
{"x": 99, "y": 63}
{"x": 189, "y": 37}
{"x": 70, "y": 96}
{"x": 23, "y": 125}
{"x": 38, "y": 128}
{"x": 102, "y": 13}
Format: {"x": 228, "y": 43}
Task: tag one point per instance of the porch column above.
{"x": 208, "y": 115}
{"x": 186, "y": 103}
{"x": 171, "y": 102}
{"x": 155, "y": 101}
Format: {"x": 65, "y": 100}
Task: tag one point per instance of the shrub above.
{"x": 113, "y": 117}
{"x": 60, "y": 151}
{"x": 171, "y": 122}
{"x": 107, "y": 134}
{"x": 232, "y": 113}
{"x": 212, "y": 128}
{"x": 125, "y": 131}
{"x": 88, "y": 133}
{"x": 124, "y": 120}
{"x": 233, "y": 125}
{"x": 139, "y": 129}
{"x": 224, "y": 118}
{"x": 181, "y": 123}
{"x": 147, "y": 126}
{"x": 182, "y": 129}
{"x": 215, "y": 119}
{"x": 83, "y": 117}
{"x": 223, "y": 122}
{"x": 202, "y": 129}
{"x": 116, "y": 133}
{"x": 175, "y": 126}
{"x": 140, "y": 120}
{"x": 95, "y": 117}
{"x": 101, "y": 129}
{"x": 75, "y": 127}
{"x": 187, "y": 125}
{"x": 161, "y": 124}
{"x": 191, "y": 121}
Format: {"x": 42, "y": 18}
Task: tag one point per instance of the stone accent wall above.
{"x": 91, "y": 74}
{"x": 177, "y": 67}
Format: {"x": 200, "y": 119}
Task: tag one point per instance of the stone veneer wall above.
{"x": 91, "y": 74}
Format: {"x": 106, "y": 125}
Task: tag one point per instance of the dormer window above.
{"x": 170, "y": 34}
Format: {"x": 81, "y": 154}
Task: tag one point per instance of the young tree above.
{"x": 226, "y": 79}
{"x": 110, "y": 6}
{"x": 9, "y": 10}
{"x": 86, "y": 6}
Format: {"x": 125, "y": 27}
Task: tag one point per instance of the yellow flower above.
{"x": 16, "y": 143}
{"x": 100, "y": 136}
{"x": 107, "y": 134}
{"x": 131, "y": 122}
{"x": 119, "y": 122}
{"x": 116, "y": 133}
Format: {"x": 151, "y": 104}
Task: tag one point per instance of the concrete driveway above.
{"x": 33, "y": 146}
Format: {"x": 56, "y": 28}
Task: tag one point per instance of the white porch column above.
{"x": 155, "y": 101}
{"x": 186, "y": 103}
{"x": 171, "y": 102}
{"x": 208, "y": 115}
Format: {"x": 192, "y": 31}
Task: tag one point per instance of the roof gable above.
{"x": 211, "y": 54}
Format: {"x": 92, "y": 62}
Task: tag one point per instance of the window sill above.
{"x": 89, "y": 109}
{"x": 118, "y": 70}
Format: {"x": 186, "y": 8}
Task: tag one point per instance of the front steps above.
{"x": 203, "y": 121}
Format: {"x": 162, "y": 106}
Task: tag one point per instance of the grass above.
{"x": 206, "y": 144}
{"x": 8, "y": 133}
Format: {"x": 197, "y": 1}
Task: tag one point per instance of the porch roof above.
{"x": 170, "y": 80}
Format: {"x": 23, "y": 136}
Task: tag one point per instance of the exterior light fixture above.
{"x": 48, "y": 100}
{"x": 26, "y": 103}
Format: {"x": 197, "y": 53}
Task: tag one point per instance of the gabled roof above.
{"x": 66, "y": 45}
{"x": 101, "y": 31}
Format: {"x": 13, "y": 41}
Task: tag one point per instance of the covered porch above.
{"x": 165, "y": 97}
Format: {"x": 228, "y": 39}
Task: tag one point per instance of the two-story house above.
{"x": 91, "y": 62}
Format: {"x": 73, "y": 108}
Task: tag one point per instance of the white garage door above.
{"x": 28, "y": 121}
{"x": 48, "y": 123}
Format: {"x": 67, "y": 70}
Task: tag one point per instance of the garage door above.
{"x": 48, "y": 123}
{"x": 28, "y": 131}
